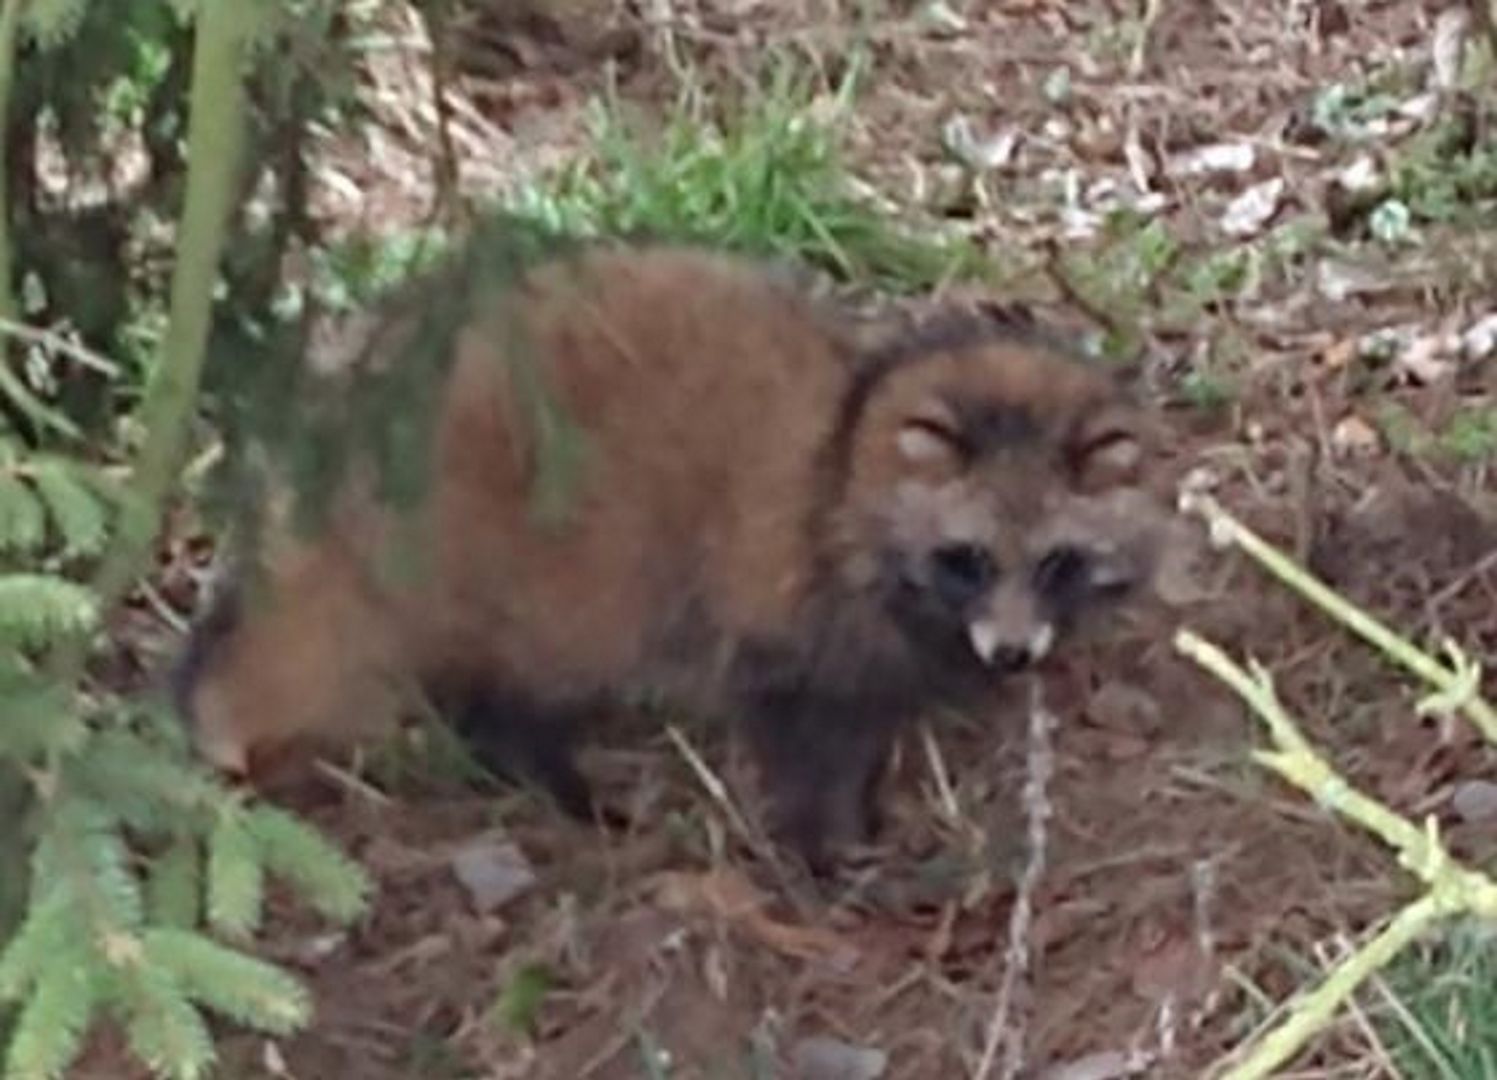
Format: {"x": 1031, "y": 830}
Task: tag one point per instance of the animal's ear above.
{"x": 1105, "y": 448}
{"x": 931, "y": 435}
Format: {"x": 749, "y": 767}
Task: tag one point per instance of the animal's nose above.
{"x": 1012, "y": 657}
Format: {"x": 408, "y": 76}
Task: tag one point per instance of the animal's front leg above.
{"x": 820, "y": 764}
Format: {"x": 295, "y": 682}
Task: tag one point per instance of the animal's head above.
{"x": 991, "y": 490}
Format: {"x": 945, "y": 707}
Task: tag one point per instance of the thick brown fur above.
{"x": 770, "y": 520}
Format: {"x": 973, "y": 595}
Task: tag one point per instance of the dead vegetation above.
{"x": 1283, "y": 214}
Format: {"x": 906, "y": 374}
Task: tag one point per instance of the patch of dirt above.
{"x": 1184, "y": 887}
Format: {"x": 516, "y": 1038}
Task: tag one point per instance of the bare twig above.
{"x": 50, "y": 339}
{"x": 1140, "y": 55}
{"x": 1003, "y": 1029}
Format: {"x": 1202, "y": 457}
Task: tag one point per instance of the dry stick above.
{"x": 1002, "y": 1029}
{"x": 1140, "y": 55}
{"x": 1456, "y": 685}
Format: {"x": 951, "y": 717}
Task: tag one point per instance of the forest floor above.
{"x": 1305, "y": 276}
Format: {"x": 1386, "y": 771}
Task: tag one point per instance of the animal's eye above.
{"x": 1063, "y": 569}
{"x": 962, "y": 571}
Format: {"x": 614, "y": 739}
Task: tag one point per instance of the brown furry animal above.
{"x": 770, "y": 520}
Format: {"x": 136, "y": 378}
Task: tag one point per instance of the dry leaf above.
{"x": 1448, "y": 47}
{"x": 1339, "y": 354}
{"x": 1254, "y": 208}
{"x": 1426, "y": 359}
{"x": 1354, "y": 437}
{"x": 1216, "y": 158}
{"x": 981, "y": 152}
{"x": 1480, "y": 339}
{"x": 1361, "y": 176}
{"x": 1338, "y": 281}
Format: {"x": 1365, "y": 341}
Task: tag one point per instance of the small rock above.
{"x": 493, "y": 870}
{"x": 823, "y": 1058}
{"x": 980, "y": 152}
{"x": 1475, "y": 801}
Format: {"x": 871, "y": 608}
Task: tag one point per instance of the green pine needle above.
{"x": 23, "y": 522}
{"x": 52, "y": 1023}
{"x": 50, "y": 926}
{"x": 38, "y": 610}
{"x": 165, "y": 1028}
{"x": 331, "y": 882}
{"x": 54, "y": 22}
{"x": 248, "y": 991}
{"x": 236, "y": 877}
{"x": 174, "y": 885}
{"x": 74, "y": 501}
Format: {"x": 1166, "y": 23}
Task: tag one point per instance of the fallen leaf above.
{"x": 1216, "y": 158}
{"x": 1420, "y": 109}
{"x": 981, "y": 152}
{"x": 493, "y": 870}
{"x": 1426, "y": 359}
{"x": 1338, "y": 281}
{"x": 1254, "y": 208}
{"x": 824, "y": 1058}
{"x": 1480, "y": 339}
{"x": 1354, "y": 437}
{"x": 1360, "y": 176}
{"x": 1448, "y": 46}
{"x": 1339, "y": 354}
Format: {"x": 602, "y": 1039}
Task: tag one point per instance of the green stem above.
{"x": 10, "y": 26}
{"x": 1452, "y": 887}
{"x": 1314, "y": 1011}
{"x": 214, "y": 141}
{"x": 14, "y": 791}
{"x": 1447, "y": 681}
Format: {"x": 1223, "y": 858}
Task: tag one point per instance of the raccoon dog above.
{"x": 771, "y": 520}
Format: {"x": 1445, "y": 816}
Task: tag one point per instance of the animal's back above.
{"x": 697, "y": 394}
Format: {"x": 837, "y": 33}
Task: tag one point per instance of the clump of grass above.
{"x": 1467, "y": 437}
{"x": 1437, "y": 1011}
{"x": 765, "y": 176}
{"x": 1446, "y": 176}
